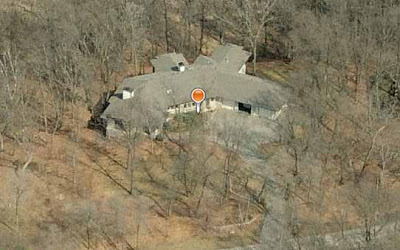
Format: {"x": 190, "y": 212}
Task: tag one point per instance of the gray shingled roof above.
{"x": 152, "y": 89}
{"x": 168, "y": 62}
{"x": 230, "y": 57}
{"x": 227, "y": 57}
{"x": 203, "y": 61}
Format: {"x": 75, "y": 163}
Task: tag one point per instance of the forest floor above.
{"x": 66, "y": 177}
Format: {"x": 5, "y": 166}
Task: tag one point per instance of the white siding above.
{"x": 228, "y": 107}
{"x": 127, "y": 94}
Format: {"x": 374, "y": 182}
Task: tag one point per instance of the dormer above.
{"x": 181, "y": 67}
{"x": 169, "y": 62}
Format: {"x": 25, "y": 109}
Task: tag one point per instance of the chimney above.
{"x": 181, "y": 67}
{"x": 127, "y": 93}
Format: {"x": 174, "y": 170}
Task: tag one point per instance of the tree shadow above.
{"x": 102, "y": 170}
{"x": 92, "y": 147}
{"x": 96, "y": 122}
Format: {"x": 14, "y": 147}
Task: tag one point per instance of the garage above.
{"x": 244, "y": 107}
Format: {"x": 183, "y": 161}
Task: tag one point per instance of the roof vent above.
{"x": 169, "y": 91}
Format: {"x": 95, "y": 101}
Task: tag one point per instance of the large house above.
{"x": 166, "y": 92}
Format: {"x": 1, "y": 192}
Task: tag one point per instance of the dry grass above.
{"x": 274, "y": 70}
{"x": 55, "y": 187}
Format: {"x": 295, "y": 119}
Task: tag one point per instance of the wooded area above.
{"x": 331, "y": 165}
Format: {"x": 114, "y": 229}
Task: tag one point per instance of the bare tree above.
{"x": 248, "y": 18}
{"x": 231, "y": 131}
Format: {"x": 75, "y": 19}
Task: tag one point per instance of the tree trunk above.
{"x": 74, "y": 168}
{"x": 246, "y": 213}
{"x": 166, "y": 26}
{"x": 221, "y": 36}
{"x": 17, "y": 205}
{"x": 44, "y": 109}
{"x": 1, "y": 142}
{"x": 201, "y": 195}
{"x": 131, "y": 158}
{"x": 265, "y": 34}
{"x": 202, "y": 28}
{"x": 255, "y": 57}
{"x": 30, "y": 158}
{"x": 371, "y": 147}
{"x": 341, "y": 182}
{"x": 131, "y": 181}
{"x": 190, "y": 37}
{"x": 367, "y": 231}
{"x": 262, "y": 190}
{"x": 296, "y": 163}
{"x": 227, "y": 177}
{"x": 88, "y": 246}
{"x": 135, "y": 62}
{"x": 137, "y": 235}
{"x": 169, "y": 211}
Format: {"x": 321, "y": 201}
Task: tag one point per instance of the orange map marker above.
{"x": 198, "y": 95}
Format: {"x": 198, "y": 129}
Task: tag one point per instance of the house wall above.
{"x": 112, "y": 131}
{"x": 208, "y": 105}
{"x": 243, "y": 69}
{"x": 182, "y": 108}
{"x": 229, "y": 104}
{"x": 263, "y": 112}
{"x": 214, "y": 103}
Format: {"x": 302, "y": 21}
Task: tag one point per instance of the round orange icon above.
{"x": 198, "y": 95}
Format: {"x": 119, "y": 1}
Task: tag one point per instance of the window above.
{"x": 176, "y": 106}
{"x": 212, "y": 99}
{"x": 185, "y": 105}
